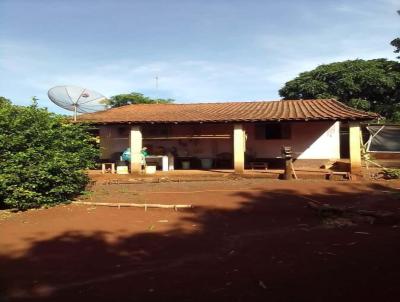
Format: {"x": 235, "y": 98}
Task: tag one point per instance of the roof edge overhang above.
{"x": 366, "y": 119}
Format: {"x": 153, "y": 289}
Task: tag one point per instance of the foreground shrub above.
{"x": 43, "y": 157}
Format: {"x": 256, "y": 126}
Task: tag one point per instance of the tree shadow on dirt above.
{"x": 273, "y": 248}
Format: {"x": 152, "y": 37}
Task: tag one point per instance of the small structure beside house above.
{"x": 232, "y": 134}
{"x": 383, "y": 145}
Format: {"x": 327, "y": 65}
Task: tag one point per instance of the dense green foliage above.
{"x": 42, "y": 157}
{"x": 396, "y": 42}
{"x": 134, "y": 98}
{"x": 372, "y": 85}
{"x": 4, "y": 101}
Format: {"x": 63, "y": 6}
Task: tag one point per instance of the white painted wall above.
{"x": 309, "y": 140}
{"x": 326, "y": 146}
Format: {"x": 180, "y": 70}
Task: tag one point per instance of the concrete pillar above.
{"x": 239, "y": 147}
{"x": 135, "y": 144}
{"x": 355, "y": 149}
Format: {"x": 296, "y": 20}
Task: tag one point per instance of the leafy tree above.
{"x": 42, "y": 156}
{"x": 4, "y": 101}
{"x": 396, "y": 42}
{"x": 368, "y": 85}
{"x": 134, "y": 98}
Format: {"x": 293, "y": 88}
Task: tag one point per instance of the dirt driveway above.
{"x": 244, "y": 240}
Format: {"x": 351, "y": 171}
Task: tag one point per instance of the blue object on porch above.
{"x": 126, "y": 155}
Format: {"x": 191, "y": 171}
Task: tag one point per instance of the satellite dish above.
{"x": 77, "y": 99}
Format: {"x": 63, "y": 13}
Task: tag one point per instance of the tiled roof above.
{"x": 296, "y": 110}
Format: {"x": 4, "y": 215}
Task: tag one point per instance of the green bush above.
{"x": 391, "y": 173}
{"x": 43, "y": 157}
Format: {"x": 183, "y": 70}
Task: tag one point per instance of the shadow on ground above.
{"x": 273, "y": 248}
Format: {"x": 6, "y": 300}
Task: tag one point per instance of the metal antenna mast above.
{"x": 157, "y": 87}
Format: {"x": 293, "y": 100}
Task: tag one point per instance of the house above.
{"x": 231, "y": 134}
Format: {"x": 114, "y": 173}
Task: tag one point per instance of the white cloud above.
{"x": 185, "y": 81}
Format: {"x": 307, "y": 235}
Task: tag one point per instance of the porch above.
{"x": 224, "y": 148}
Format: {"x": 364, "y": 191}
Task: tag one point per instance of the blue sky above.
{"x": 201, "y": 50}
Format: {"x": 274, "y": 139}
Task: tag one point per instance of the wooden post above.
{"x": 286, "y": 152}
{"x": 288, "y": 174}
{"x": 135, "y": 144}
{"x": 239, "y": 147}
{"x": 355, "y": 149}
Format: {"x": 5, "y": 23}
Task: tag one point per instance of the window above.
{"x": 272, "y": 131}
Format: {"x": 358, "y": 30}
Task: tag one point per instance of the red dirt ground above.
{"x": 244, "y": 240}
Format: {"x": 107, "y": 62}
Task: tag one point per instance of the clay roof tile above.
{"x": 324, "y": 109}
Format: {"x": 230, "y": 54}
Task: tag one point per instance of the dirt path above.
{"x": 247, "y": 240}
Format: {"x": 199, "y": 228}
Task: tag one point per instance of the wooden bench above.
{"x": 346, "y": 175}
{"x": 258, "y": 165}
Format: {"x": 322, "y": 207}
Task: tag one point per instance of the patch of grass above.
{"x": 125, "y": 191}
{"x": 87, "y": 194}
{"x": 391, "y": 173}
{"x": 104, "y": 192}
